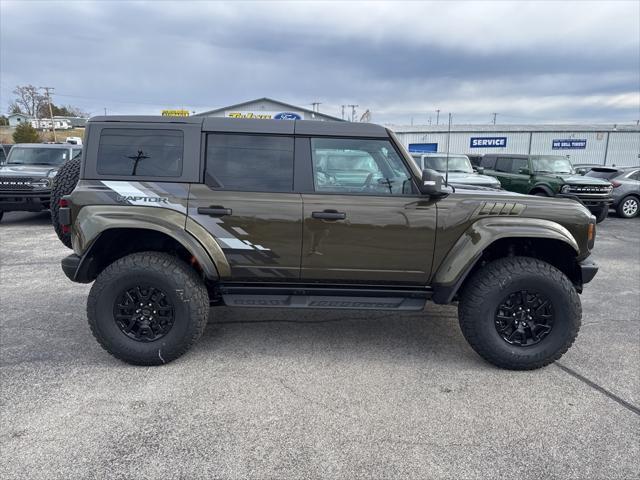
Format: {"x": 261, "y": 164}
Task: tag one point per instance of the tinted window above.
{"x": 250, "y": 162}
{"x": 345, "y": 165}
{"x": 141, "y": 153}
{"x": 635, "y": 175}
{"x": 519, "y": 164}
{"x": 2, "y": 155}
{"x": 488, "y": 162}
{"x": 503, "y": 164}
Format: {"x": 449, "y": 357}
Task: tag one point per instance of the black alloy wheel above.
{"x": 524, "y": 318}
{"x": 143, "y": 313}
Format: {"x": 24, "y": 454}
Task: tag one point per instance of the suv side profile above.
{"x": 548, "y": 176}
{"x": 172, "y": 216}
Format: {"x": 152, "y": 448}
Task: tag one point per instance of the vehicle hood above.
{"x": 473, "y": 179}
{"x": 27, "y": 170}
{"x": 576, "y": 179}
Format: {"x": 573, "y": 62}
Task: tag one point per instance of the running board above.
{"x": 324, "y": 297}
{"x": 324, "y": 302}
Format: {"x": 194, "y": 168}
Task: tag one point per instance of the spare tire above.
{"x": 63, "y": 184}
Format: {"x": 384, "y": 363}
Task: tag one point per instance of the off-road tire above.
{"x": 621, "y": 205}
{"x": 487, "y": 288}
{"x": 602, "y": 214}
{"x": 63, "y": 184}
{"x": 184, "y": 290}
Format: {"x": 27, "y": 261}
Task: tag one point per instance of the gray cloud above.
{"x": 531, "y": 62}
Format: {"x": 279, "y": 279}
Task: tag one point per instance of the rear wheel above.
{"x": 63, "y": 184}
{"x": 519, "y": 313}
{"x": 628, "y": 207}
{"x": 148, "y": 308}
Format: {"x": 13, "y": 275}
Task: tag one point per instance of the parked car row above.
{"x": 597, "y": 187}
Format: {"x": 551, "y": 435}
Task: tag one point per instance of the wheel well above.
{"x": 541, "y": 188}
{"x": 116, "y": 243}
{"x": 555, "y": 252}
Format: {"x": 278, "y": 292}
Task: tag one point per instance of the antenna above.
{"x": 446, "y": 173}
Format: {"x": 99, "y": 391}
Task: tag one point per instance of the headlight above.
{"x": 565, "y": 189}
{"x": 42, "y": 183}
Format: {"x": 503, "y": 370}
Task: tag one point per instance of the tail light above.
{"x": 63, "y": 203}
{"x": 615, "y": 183}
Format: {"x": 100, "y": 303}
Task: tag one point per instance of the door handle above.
{"x": 329, "y": 215}
{"x": 214, "y": 211}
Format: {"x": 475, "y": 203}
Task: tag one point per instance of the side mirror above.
{"x": 480, "y": 170}
{"x": 524, "y": 171}
{"x": 432, "y": 183}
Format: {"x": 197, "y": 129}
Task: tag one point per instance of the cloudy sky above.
{"x": 531, "y": 62}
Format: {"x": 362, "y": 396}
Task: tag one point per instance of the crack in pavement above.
{"x": 632, "y": 408}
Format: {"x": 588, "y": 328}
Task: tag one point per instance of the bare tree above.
{"x": 28, "y": 100}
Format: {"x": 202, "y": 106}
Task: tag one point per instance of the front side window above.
{"x": 503, "y": 164}
{"x": 345, "y": 165}
{"x": 258, "y": 163}
{"x": 519, "y": 164}
{"x": 140, "y": 152}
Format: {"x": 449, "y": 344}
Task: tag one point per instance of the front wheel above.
{"x": 628, "y": 207}
{"x": 519, "y": 313}
{"x": 601, "y": 214}
{"x": 147, "y": 308}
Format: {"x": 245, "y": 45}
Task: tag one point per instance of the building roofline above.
{"x": 288, "y": 105}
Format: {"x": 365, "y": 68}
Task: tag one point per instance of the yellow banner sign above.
{"x": 175, "y": 113}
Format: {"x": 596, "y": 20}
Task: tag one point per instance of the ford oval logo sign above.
{"x": 287, "y": 116}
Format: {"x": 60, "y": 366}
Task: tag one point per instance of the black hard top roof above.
{"x": 250, "y": 125}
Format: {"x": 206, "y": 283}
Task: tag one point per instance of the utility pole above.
{"x": 437, "y": 116}
{"x": 343, "y": 111}
{"x": 494, "y": 117}
{"x": 315, "y": 106}
{"x": 353, "y": 111}
{"x": 105, "y": 111}
{"x": 53, "y": 125}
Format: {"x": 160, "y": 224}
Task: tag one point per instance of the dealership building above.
{"x": 267, "y": 109}
{"x": 594, "y": 144}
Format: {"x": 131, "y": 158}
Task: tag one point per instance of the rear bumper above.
{"x": 588, "y": 270}
{"x": 25, "y": 201}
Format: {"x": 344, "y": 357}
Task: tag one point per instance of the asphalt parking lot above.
{"x": 290, "y": 394}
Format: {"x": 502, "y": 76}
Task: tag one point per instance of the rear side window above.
{"x": 503, "y": 164}
{"x": 258, "y": 163}
{"x": 140, "y": 152}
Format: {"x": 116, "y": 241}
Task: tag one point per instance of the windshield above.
{"x": 37, "y": 156}
{"x": 457, "y": 163}
{"x": 551, "y": 164}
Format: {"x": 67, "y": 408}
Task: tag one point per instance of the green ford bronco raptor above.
{"x": 172, "y": 216}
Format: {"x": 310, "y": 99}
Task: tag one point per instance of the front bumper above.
{"x": 31, "y": 201}
{"x": 588, "y": 270}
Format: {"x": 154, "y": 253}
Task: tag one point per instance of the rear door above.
{"x": 364, "y": 221}
{"x": 248, "y": 205}
{"x": 520, "y": 182}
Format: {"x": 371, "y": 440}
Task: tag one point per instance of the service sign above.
{"x": 488, "y": 142}
{"x": 569, "y": 144}
{"x": 263, "y": 115}
{"x": 175, "y": 113}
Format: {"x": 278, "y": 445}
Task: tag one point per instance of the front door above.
{"x": 364, "y": 223}
{"x": 247, "y": 204}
